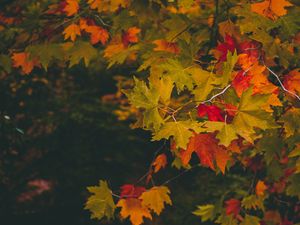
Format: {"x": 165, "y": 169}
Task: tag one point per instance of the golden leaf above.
{"x": 133, "y": 208}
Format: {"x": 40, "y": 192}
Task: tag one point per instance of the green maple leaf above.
{"x": 270, "y": 144}
{"x": 250, "y": 220}
{"x": 291, "y": 121}
{"x": 227, "y": 132}
{"x": 146, "y": 98}
{"x": 224, "y": 219}
{"x": 253, "y": 202}
{"x": 175, "y": 26}
{"x": 81, "y": 50}
{"x": 45, "y": 53}
{"x": 121, "y": 56}
{"x": 294, "y": 187}
{"x": 178, "y": 74}
{"x": 206, "y": 212}
{"x": 101, "y": 203}
{"x": 181, "y": 131}
{"x": 228, "y": 66}
{"x": 250, "y": 115}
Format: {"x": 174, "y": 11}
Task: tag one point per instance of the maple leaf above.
{"x": 271, "y": 8}
{"x": 226, "y": 220}
{"x": 241, "y": 82}
{"x": 81, "y": 50}
{"x": 213, "y": 112}
{"x": 23, "y": 60}
{"x": 98, "y": 34}
{"x": 207, "y": 149}
{"x": 72, "y": 31}
{"x": 133, "y": 208}
{"x": 180, "y": 130}
{"x": 227, "y": 68}
{"x": 250, "y": 220}
{"x": 292, "y": 81}
{"x": 131, "y": 191}
{"x": 109, "y": 5}
{"x": 226, "y": 132}
{"x": 156, "y": 198}
{"x": 206, "y": 212}
{"x": 146, "y": 98}
{"x": 205, "y": 82}
{"x": 250, "y": 115}
{"x": 159, "y": 162}
{"x": 229, "y": 45}
{"x": 83, "y": 24}
{"x": 45, "y": 53}
{"x": 130, "y": 36}
{"x": 253, "y": 202}
{"x": 117, "y": 52}
{"x": 163, "y": 45}
{"x": 101, "y": 202}
{"x": 260, "y": 188}
{"x": 291, "y": 121}
{"x": 72, "y": 7}
{"x": 175, "y": 70}
{"x": 233, "y": 206}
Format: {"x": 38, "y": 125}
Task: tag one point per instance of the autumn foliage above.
{"x": 217, "y": 82}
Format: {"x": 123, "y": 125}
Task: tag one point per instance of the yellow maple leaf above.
{"x": 72, "y": 31}
{"x": 271, "y": 8}
{"x": 274, "y": 101}
{"x": 112, "y": 49}
{"x": 98, "y": 34}
{"x": 22, "y": 60}
{"x": 156, "y": 198}
{"x": 72, "y": 7}
{"x": 133, "y": 208}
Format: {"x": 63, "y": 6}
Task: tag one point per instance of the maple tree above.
{"x": 220, "y": 79}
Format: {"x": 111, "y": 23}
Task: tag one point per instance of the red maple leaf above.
{"x": 131, "y": 191}
{"x": 214, "y": 113}
{"x": 228, "y": 45}
{"x": 251, "y": 48}
{"x": 241, "y": 82}
{"x": 233, "y": 206}
{"x": 208, "y": 151}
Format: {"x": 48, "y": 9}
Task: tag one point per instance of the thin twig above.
{"x": 179, "y": 175}
{"x": 218, "y": 94}
{"x": 281, "y": 84}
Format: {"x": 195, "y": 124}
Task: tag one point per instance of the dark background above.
{"x": 62, "y": 133}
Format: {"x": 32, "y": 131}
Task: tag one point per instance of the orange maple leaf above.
{"x": 163, "y": 45}
{"x": 159, "y": 162}
{"x": 271, "y": 8}
{"x": 260, "y": 188}
{"x": 72, "y": 31}
{"x": 208, "y": 151}
{"x": 292, "y": 81}
{"x": 130, "y": 36}
{"x": 72, "y": 7}
{"x": 83, "y": 24}
{"x": 22, "y": 60}
{"x": 98, "y": 34}
{"x": 133, "y": 208}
